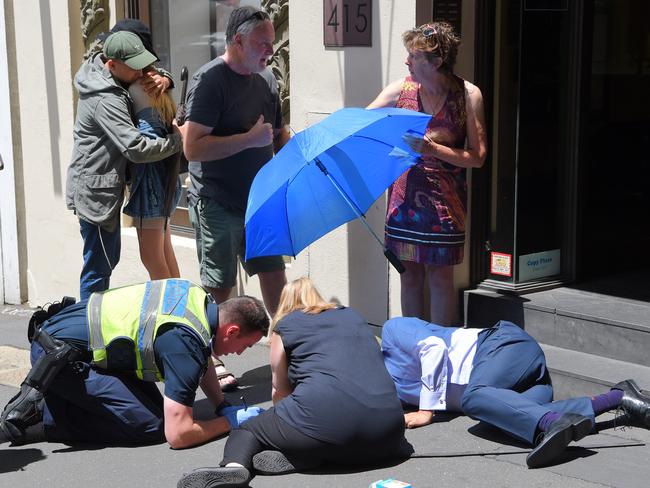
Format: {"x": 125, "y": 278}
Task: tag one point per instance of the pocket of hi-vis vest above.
{"x": 120, "y": 355}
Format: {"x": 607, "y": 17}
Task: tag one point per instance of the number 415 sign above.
{"x": 347, "y": 22}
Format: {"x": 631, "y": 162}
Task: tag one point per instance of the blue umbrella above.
{"x": 327, "y": 175}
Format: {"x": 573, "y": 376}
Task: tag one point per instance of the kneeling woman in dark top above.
{"x": 333, "y": 398}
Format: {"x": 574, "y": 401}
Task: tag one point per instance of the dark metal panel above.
{"x": 481, "y": 179}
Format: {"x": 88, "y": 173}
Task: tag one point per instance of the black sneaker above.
{"x": 272, "y": 462}
{"x": 215, "y": 477}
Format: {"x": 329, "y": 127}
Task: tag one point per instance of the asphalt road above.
{"x": 462, "y": 452}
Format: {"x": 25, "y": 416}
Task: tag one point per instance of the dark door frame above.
{"x": 484, "y": 35}
{"x": 484, "y": 49}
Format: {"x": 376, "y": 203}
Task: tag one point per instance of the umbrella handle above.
{"x": 394, "y": 260}
{"x": 181, "y": 110}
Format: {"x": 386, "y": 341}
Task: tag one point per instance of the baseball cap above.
{"x": 128, "y": 47}
{"x": 132, "y": 25}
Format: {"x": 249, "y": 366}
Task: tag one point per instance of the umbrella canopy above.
{"x": 327, "y": 175}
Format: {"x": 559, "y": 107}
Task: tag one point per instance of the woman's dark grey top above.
{"x": 342, "y": 391}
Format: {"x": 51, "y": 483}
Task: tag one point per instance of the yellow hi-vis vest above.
{"x": 123, "y": 323}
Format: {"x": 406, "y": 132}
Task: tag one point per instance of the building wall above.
{"x": 48, "y": 48}
{"x": 347, "y": 264}
{"x": 42, "y": 127}
{"x": 11, "y": 290}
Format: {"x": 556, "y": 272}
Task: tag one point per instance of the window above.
{"x": 186, "y": 33}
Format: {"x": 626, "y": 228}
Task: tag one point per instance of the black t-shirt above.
{"x": 179, "y": 353}
{"x": 231, "y": 104}
{"x": 342, "y": 391}
{"x": 182, "y": 359}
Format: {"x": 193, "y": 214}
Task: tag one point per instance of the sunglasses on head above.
{"x": 428, "y": 31}
{"x": 259, "y": 15}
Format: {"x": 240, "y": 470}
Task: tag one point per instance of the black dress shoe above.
{"x": 552, "y": 443}
{"x": 634, "y": 403}
{"x": 215, "y": 477}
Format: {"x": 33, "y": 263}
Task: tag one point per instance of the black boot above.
{"x": 23, "y": 410}
{"x": 634, "y": 403}
{"x": 29, "y": 435}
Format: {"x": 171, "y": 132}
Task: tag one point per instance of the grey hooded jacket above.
{"x": 105, "y": 139}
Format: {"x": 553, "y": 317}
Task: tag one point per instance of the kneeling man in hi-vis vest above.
{"x": 95, "y": 364}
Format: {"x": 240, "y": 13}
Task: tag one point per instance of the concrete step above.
{"x": 581, "y": 320}
{"x": 580, "y": 374}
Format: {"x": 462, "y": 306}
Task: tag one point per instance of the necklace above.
{"x": 433, "y": 105}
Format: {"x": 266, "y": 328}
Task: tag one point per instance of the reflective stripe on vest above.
{"x": 136, "y": 312}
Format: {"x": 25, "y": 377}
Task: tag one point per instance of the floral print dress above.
{"x": 425, "y": 220}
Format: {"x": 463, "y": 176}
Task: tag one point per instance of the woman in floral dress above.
{"x": 425, "y": 220}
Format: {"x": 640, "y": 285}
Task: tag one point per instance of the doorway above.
{"x": 569, "y": 167}
{"x": 613, "y": 234}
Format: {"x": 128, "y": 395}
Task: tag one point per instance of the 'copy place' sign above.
{"x": 539, "y": 265}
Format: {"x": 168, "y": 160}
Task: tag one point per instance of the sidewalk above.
{"x": 456, "y": 443}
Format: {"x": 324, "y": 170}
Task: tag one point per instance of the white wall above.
{"x": 43, "y": 127}
{"x": 10, "y": 291}
{"x": 45, "y": 35}
{"x": 347, "y": 264}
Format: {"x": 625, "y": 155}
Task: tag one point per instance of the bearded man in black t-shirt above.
{"x": 234, "y": 125}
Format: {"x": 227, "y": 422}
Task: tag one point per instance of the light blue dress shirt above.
{"x": 429, "y": 364}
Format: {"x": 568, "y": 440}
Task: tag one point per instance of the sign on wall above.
{"x": 539, "y": 265}
{"x": 347, "y": 23}
{"x": 501, "y": 263}
{"x": 450, "y": 11}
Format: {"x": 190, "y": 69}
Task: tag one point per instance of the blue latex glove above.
{"x": 238, "y": 415}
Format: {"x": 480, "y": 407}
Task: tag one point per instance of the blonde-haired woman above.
{"x": 333, "y": 398}
{"x": 300, "y": 294}
{"x": 155, "y": 188}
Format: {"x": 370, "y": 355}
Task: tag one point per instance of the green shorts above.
{"x": 220, "y": 239}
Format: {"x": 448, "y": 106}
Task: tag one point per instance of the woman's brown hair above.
{"x": 436, "y": 40}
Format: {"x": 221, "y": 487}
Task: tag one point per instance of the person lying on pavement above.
{"x": 499, "y": 376}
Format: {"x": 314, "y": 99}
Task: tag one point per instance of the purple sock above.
{"x": 606, "y": 401}
{"x": 546, "y": 421}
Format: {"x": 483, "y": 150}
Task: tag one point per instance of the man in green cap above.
{"x": 105, "y": 139}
